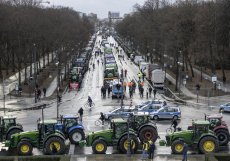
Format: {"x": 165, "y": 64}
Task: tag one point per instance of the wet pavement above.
{"x": 135, "y": 157}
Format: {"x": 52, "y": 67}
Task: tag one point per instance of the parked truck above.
{"x": 158, "y": 78}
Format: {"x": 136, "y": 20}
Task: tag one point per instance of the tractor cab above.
{"x": 47, "y": 126}
{"x": 69, "y": 121}
{"x": 7, "y": 122}
{"x": 199, "y": 128}
{"x": 118, "y": 126}
{"x": 215, "y": 120}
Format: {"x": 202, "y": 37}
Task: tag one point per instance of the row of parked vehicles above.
{"x": 204, "y": 135}
{"x": 111, "y": 74}
{"x": 80, "y": 64}
{"x": 156, "y": 109}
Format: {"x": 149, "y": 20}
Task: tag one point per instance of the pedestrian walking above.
{"x": 145, "y": 150}
{"x": 102, "y": 118}
{"x": 141, "y": 92}
{"x": 44, "y": 91}
{"x": 150, "y": 91}
{"x": 109, "y": 90}
{"x": 130, "y": 91}
{"x": 151, "y": 149}
{"x": 174, "y": 124}
{"x": 147, "y": 94}
{"x": 39, "y": 94}
{"x": 143, "y": 76}
{"x": 102, "y": 89}
{"x": 80, "y": 112}
{"x": 154, "y": 93}
{"x": 185, "y": 152}
{"x": 124, "y": 85}
{"x": 125, "y": 72}
{"x": 134, "y": 86}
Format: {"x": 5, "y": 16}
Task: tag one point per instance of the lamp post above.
{"x": 165, "y": 66}
{"x": 35, "y": 74}
{"x": 57, "y": 64}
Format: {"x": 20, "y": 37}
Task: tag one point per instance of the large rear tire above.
{"x": 208, "y": 144}
{"x": 55, "y": 146}
{"x": 76, "y": 135}
{"x": 223, "y": 136}
{"x": 99, "y": 146}
{"x": 123, "y": 144}
{"x": 177, "y": 147}
{"x": 148, "y": 132}
{"x": 24, "y": 148}
{"x": 11, "y": 132}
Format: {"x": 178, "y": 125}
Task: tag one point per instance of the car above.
{"x": 118, "y": 112}
{"x": 166, "y": 112}
{"x": 149, "y": 108}
{"x": 225, "y": 107}
{"x": 152, "y": 102}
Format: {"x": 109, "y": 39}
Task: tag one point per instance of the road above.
{"x": 91, "y": 86}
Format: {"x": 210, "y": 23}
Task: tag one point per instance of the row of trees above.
{"x": 29, "y": 32}
{"x": 190, "y": 31}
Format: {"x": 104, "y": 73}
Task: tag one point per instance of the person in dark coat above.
{"x": 150, "y": 91}
{"x": 44, "y": 91}
{"x": 80, "y": 111}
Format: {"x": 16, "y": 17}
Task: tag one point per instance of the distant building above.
{"x": 114, "y": 17}
{"x": 81, "y": 14}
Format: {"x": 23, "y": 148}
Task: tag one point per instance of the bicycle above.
{"x": 171, "y": 129}
{"x": 98, "y": 122}
{"x": 86, "y": 105}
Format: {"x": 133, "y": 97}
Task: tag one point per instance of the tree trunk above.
{"x": 1, "y": 76}
{"x": 13, "y": 61}
{"x": 25, "y": 78}
{"x": 212, "y": 58}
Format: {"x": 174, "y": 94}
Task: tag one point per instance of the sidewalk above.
{"x": 134, "y": 157}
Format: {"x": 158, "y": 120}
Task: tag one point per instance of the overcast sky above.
{"x": 100, "y": 7}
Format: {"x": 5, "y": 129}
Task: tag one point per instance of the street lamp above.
{"x": 179, "y": 75}
{"x": 165, "y": 66}
{"x": 57, "y": 64}
{"x": 35, "y": 74}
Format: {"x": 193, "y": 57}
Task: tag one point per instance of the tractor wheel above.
{"x": 24, "y": 148}
{"x": 76, "y": 135}
{"x": 99, "y": 146}
{"x": 223, "y": 136}
{"x": 177, "y": 147}
{"x": 148, "y": 132}
{"x": 208, "y": 145}
{"x": 13, "y": 131}
{"x": 55, "y": 145}
{"x": 123, "y": 144}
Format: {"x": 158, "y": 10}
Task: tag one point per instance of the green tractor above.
{"x": 118, "y": 136}
{"x": 8, "y": 127}
{"x": 46, "y": 138}
{"x": 200, "y": 137}
{"x": 145, "y": 128}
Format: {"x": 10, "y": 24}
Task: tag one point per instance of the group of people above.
{"x": 148, "y": 149}
{"x": 105, "y": 88}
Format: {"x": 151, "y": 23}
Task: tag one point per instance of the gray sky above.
{"x": 100, "y": 7}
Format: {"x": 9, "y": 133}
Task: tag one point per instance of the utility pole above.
{"x": 4, "y": 97}
{"x": 35, "y": 75}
